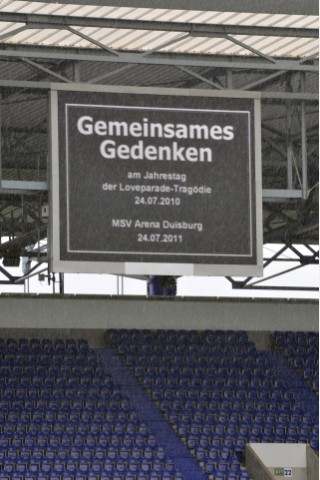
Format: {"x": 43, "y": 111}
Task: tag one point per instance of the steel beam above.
{"x": 6, "y": 274}
{"x": 250, "y": 49}
{"x": 40, "y": 67}
{"x": 159, "y": 47}
{"x": 116, "y": 71}
{"x": 275, "y": 275}
{"x": 272, "y": 194}
{"x": 94, "y": 42}
{"x": 201, "y": 78}
{"x": 265, "y": 80}
{"x": 11, "y": 33}
{"x": 277, "y": 288}
{"x": 59, "y": 22}
{"x": 294, "y": 96}
{"x": 304, "y": 144}
{"x": 251, "y": 283}
{"x": 301, "y": 96}
{"x": 168, "y": 59}
{"x": 289, "y": 146}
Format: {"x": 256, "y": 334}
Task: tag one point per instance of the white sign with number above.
{"x": 288, "y": 472}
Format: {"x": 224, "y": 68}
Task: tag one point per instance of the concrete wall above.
{"x": 281, "y": 454}
{"x": 312, "y": 464}
{"x": 98, "y": 312}
{"x": 262, "y": 456}
{"x": 254, "y": 465}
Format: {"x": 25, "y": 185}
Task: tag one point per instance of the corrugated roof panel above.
{"x": 291, "y": 46}
{"x": 24, "y": 37}
{"x": 147, "y": 40}
{"x": 61, "y": 38}
{"x": 208, "y": 45}
{"x": 269, "y": 45}
{"x": 296, "y": 21}
{"x": 158, "y": 14}
{"x": 113, "y": 38}
{"x": 150, "y": 14}
{"x": 140, "y": 42}
{"x": 7, "y": 27}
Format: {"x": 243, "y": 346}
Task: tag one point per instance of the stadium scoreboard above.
{"x": 155, "y": 181}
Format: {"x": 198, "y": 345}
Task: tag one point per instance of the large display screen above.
{"x": 163, "y": 182}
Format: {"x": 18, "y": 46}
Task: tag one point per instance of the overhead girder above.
{"x": 61, "y": 22}
{"x": 235, "y": 63}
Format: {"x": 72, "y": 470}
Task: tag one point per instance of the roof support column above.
{"x": 76, "y": 72}
{"x": 289, "y": 146}
{"x": 304, "y": 143}
{"x": 229, "y": 78}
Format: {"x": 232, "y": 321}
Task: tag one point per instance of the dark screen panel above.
{"x": 156, "y": 178}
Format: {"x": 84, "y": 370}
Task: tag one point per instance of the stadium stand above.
{"x": 153, "y": 404}
{"x": 219, "y": 392}
{"x": 63, "y": 416}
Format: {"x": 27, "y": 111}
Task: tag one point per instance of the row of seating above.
{"x": 85, "y": 464}
{"x": 45, "y": 344}
{"x": 172, "y": 336}
{"x": 202, "y": 351}
{"x": 108, "y": 466}
{"x": 104, "y": 475}
{"x": 60, "y": 434}
{"x": 188, "y": 361}
{"x": 53, "y": 383}
{"x": 47, "y": 359}
{"x": 61, "y": 368}
{"x": 91, "y": 474}
{"x": 124, "y": 450}
{"x": 301, "y": 338}
{"x": 83, "y": 424}
{"x": 78, "y": 440}
{"x": 205, "y": 370}
{"x": 56, "y": 393}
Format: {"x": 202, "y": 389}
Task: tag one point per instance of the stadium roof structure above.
{"x": 170, "y": 30}
{"x": 270, "y": 47}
